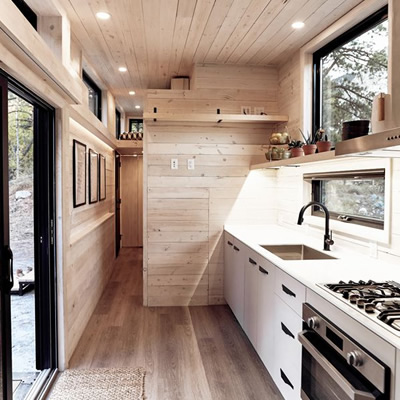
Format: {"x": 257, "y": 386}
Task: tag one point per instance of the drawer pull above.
{"x": 251, "y": 261}
{"x": 286, "y": 330}
{"x": 288, "y": 291}
{"x": 236, "y": 248}
{"x": 286, "y": 379}
{"x": 262, "y": 270}
{"x": 230, "y": 243}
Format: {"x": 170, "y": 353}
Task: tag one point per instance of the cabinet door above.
{"x": 250, "y": 295}
{"x": 265, "y": 312}
{"x": 287, "y": 368}
{"x": 228, "y": 268}
{"x": 237, "y": 271}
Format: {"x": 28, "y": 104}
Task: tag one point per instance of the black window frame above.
{"x": 92, "y": 85}
{"x": 117, "y": 123}
{"x": 365, "y": 25}
{"x": 135, "y": 121}
{"x": 27, "y": 12}
{"x": 316, "y": 180}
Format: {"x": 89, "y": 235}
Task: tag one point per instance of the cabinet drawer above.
{"x": 291, "y": 291}
{"x": 289, "y": 388}
{"x": 287, "y": 325}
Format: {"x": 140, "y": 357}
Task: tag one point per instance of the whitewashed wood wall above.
{"x": 88, "y": 251}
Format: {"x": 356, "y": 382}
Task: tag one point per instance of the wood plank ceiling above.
{"x": 160, "y": 39}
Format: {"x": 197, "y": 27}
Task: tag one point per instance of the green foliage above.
{"x": 20, "y": 137}
{"x": 351, "y": 76}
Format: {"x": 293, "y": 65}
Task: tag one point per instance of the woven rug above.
{"x": 99, "y": 384}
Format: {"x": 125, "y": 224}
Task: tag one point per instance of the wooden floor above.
{"x": 188, "y": 352}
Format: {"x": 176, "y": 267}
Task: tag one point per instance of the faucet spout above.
{"x": 327, "y": 236}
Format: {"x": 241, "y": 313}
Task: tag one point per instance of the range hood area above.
{"x": 380, "y": 144}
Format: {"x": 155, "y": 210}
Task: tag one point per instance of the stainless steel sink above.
{"x": 296, "y": 252}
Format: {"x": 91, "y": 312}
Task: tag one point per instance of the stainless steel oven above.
{"x": 334, "y": 367}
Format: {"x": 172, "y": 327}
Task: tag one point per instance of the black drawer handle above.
{"x": 286, "y": 379}
{"x": 236, "y": 248}
{"x": 286, "y": 330}
{"x": 230, "y": 243}
{"x": 288, "y": 291}
{"x": 262, "y": 270}
{"x": 251, "y": 261}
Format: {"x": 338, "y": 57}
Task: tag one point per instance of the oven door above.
{"x": 327, "y": 376}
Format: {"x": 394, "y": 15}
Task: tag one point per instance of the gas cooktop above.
{"x": 380, "y": 301}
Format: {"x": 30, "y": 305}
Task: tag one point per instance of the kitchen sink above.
{"x": 296, "y": 252}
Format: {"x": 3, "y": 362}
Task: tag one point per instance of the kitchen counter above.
{"x": 347, "y": 266}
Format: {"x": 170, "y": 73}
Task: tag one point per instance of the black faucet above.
{"x": 327, "y": 237}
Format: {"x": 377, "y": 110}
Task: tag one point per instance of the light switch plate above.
{"x": 246, "y": 110}
{"x": 174, "y": 163}
{"x": 190, "y": 163}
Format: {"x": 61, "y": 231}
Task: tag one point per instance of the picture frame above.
{"x": 93, "y": 177}
{"x": 102, "y": 178}
{"x": 79, "y": 173}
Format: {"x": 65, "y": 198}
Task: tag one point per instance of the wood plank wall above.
{"x": 88, "y": 251}
{"x": 289, "y": 94}
{"x": 186, "y": 209}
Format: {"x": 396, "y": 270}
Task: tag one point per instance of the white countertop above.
{"x": 347, "y": 266}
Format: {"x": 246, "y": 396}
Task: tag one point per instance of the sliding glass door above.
{"x": 28, "y": 289}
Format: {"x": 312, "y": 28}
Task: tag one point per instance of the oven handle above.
{"x": 352, "y": 393}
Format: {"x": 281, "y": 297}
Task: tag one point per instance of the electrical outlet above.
{"x": 190, "y": 163}
{"x": 174, "y": 163}
{"x": 246, "y": 110}
{"x": 258, "y": 110}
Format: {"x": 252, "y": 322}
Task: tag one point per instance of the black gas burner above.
{"x": 377, "y": 299}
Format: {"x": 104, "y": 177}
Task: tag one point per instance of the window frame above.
{"x": 134, "y": 121}
{"x": 117, "y": 123}
{"x": 27, "y": 12}
{"x": 365, "y": 25}
{"x": 90, "y": 83}
{"x": 316, "y": 180}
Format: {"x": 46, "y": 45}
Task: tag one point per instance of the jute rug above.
{"x": 99, "y": 384}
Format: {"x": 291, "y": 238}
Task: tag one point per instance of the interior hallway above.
{"x": 188, "y": 352}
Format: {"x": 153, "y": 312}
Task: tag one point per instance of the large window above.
{"x": 94, "y": 95}
{"x": 348, "y": 73}
{"x": 351, "y": 196}
{"x": 117, "y": 123}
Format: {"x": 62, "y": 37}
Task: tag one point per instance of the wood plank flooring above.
{"x": 188, "y": 352}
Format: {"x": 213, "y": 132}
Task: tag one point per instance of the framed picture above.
{"x": 102, "y": 177}
{"x": 79, "y": 173}
{"x": 93, "y": 177}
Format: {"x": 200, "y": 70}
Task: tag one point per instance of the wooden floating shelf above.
{"x": 215, "y": 118}
{"x": 127, "y": 147}
{"x": 293, "y": 162}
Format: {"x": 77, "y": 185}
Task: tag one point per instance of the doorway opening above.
{"x": 29, "y": 315}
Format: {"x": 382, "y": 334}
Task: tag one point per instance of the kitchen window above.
{"x": 348, "y": 73}
{"x": 356, "y": 197}
{"x": 94, "y": 95}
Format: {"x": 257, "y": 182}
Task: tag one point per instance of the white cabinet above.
{"x": 286, "y": 370}
{"x": 234, "y": 276}
{"x": 250, "y": 295}
{"x": 265, "y": 312}
{"x": 267, "y": 302}
{"x": 228, "y": 257}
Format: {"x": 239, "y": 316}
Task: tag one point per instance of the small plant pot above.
{"x": 324, "y": 146}
{"x": 309, "y": 148}
{"x": 297, "y": 152}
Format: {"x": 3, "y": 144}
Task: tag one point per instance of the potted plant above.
{"x": 296, "y": 148}
{"x": 323, "y": 144}
{"x": 309, "y": 147}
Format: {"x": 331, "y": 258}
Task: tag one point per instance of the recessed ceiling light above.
{"x": 298, "y": 25}
{"x": 137, "y": 107}
{"x": 103, "y": 15}
{"x": 122, "y": 69}
{"x": 132, "y": 92}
